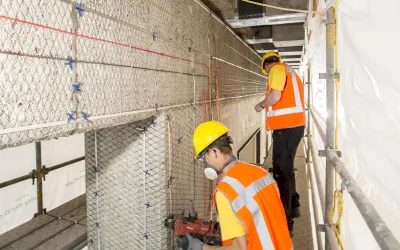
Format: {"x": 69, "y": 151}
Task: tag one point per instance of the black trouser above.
{"x": 285, "y": 143}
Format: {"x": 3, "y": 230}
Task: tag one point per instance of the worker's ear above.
{"x": 215, "y": 152}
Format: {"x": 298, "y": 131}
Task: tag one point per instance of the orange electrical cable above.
{"x": 218, "y": 102}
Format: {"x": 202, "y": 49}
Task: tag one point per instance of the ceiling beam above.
{"x": 290, "y": 43}
{"x": 266, "y": 50}
{"x": 259, "y": 41}
{"x": 267, "y": 20}
{"x": 298, "y": 59}
{"x": 290, "y": 53}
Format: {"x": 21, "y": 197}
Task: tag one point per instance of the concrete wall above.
{"x": 249, "y": 152}
{"x": 133, "y": 60}
{"x": 124, "y": 73}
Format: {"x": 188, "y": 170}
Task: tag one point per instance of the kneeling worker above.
{"x": 250, "y": 211}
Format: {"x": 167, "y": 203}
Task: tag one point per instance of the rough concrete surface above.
{"x": 134, "y": 61}
{"x": 120, "y": 60}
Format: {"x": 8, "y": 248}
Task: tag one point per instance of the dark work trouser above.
{"x": 284, "y": 147}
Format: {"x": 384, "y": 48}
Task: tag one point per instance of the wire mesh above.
{"x": 70, "y": 67}
{"x": 138, "y": 175}
{"x": 126, "y": 186}
{"x": 187, "y": 176}
{"x": 67, "y": 67}
{"x": 32, "y": 71}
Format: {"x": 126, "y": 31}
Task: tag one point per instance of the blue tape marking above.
{"x": 146, "y": 236}
{"x": 156, "y": 107}
{"x": 76, "y": 88}
{"x": 190, "y": 49}
{"x": 69, "y": 62}
{"x": 96, "y": 170}
{"x": 91, "y": 241}
{"x": 147, "y": 172}
{"x": 79, "y": 8}
{"x": 154, "y": 36}
{"x": 98, "y": 224}
{"x": 179, "y": 140}
{"x": 148, "y": 205}
{"x": 85, "y": 117}
{"x": 71, "y": 116}
{"x": 154, "y": 123}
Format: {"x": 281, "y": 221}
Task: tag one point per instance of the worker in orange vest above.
{"x": 250, "y": 212}
{"x": 284, "y": 104}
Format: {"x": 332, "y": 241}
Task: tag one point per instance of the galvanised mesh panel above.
{"x": 126, "y": 186}
{"x": 139, "y": 174}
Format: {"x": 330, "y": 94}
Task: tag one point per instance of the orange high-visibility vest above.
{"x": 288, "y": 112}
{"x": 254, "y": 197}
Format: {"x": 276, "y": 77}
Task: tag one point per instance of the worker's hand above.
{"x": 258, "y": 108}
{"x": 194, "y": 244}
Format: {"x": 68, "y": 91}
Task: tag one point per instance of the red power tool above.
{"x": 205, "y": 230}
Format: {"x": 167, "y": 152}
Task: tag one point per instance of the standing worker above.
{"x": 250, "y": 212}
{"x": 284, "y": 105}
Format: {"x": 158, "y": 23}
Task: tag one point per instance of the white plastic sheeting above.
{"x": 369, "y": 107}
{"x": 369, "y": 40}
{"x": 67, "y": 183}
{"x": 18, "y": 202}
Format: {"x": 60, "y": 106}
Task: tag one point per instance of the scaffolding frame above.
{"x": 377, "y": 226}
{"x": 39, "y": 173}
{"x": 382, "y": 234}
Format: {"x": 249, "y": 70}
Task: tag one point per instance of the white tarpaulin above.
{"x": 369, "y": 107}
{"x": 18, "y": 201}
{"x": 369, "y": 41}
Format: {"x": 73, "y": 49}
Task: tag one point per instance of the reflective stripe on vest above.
{"x": 246, "y": 198}
{"x": 285, "y": 111}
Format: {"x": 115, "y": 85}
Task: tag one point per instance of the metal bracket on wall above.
{"x": 322, "y": 153}
{"x": 325, "y": 75}
{"x": 306, "y": 83}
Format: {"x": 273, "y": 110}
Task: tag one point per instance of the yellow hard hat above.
{"x": 207, "y": 133}
{"x": 266, "y": 56}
